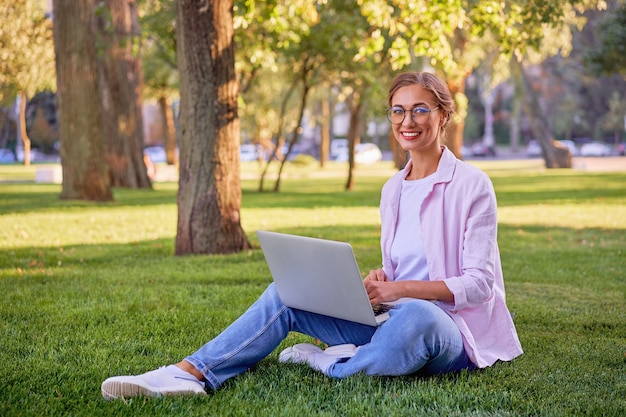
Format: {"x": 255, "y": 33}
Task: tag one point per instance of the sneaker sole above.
{"x": 297, "y": 353}
{"x": 123, "y": 389}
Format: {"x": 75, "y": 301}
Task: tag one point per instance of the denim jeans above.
{"x": 418, "y": 336}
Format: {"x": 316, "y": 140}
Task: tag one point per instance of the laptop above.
{"x": 320, "y": 276}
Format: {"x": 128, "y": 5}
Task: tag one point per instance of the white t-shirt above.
{"x": 407, "y": 250}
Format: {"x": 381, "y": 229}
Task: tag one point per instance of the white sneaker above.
{"x": 342, "y": 351}
{"x": 315, "y": 357}
{"x": 168, "y": 380}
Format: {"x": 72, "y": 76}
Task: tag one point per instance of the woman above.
{"x": 439, "y": 250}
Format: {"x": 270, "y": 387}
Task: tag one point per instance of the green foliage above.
{"x": 417, "y": 28}
{"x": 26, "y": 49}
{"x": 158, "y": 51}
{"x": 610, "y": 55}
{"x": 615, "y": 118}
{"x": 93, "y": 290}
{"x": 565, "y": 119}
{"x": 304, "y": 160}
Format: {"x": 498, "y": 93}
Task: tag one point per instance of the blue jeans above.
{"x": 418, "y": 336}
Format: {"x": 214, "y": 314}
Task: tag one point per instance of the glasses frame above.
{"x": 426, "y": 114}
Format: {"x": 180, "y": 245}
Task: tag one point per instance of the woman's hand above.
{"x": 376, "y": 275}
{"x": 379, "y": 289}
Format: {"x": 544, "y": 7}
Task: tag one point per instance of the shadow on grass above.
{"x": 514, "y": 190}
{"x": 158, "y": 254}
{"x": 28, "y": 198}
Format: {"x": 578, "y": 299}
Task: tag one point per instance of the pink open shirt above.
{"x": 459, "y": 231}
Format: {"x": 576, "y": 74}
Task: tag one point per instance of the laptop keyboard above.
{"x": 381, "y": 308}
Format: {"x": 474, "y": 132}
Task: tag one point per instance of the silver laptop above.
{"x": 320, "y": 276}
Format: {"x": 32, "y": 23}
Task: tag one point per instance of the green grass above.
{"x": 93, "y": 290}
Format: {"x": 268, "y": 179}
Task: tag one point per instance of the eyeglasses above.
{"x": 419, "y": 115}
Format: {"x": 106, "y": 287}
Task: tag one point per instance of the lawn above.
{"x": 93, "y": 290}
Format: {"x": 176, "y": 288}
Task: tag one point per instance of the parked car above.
{"x": 480, "y": 149}
{"x": 38, "y": 156}
{"x": 364, "y": 153}
{"x": 248, "y": 152}
{"x": 367, "y": 153}
{"x": 156, "y": 154}
{"x": 595, "y": 149}
{"x": 571, "y": 146}
{"x": 533, "y": 149}
{"x": 6, "y": 156}
{"x": 338, "y": 147}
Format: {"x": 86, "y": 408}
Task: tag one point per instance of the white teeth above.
{"x": 411, "y": 134}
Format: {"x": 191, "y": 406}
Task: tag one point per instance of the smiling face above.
{"x": 413, "y": 137}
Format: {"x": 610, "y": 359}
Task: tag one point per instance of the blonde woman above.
{"x": 439, "y": 250}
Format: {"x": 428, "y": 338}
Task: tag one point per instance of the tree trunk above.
{"x": 121, "y": 84}
{"x": 354, "y": 105}
{"x": 23, "y": 132}
{"x": 400, "y": 156}
{"x": 488, "y": 138}
{"x": 325, "y": 128}
{"x": 209, "y": 193}
{"x": 554, "y": 155}
{"x": 516, "y": 111}
{"x": 85, "y": 172}
{"x": 279, "y": 134}
{"x": 295, "y": 133}
{"x": 305, "y": 77}
{"x": 454, "y": 139}
{"x": 169, "y": 130}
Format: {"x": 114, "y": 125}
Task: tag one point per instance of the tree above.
{"x": 306, "y": 56}
{"x": 615, "y": 119}
{"x": 455, "y": 36}
{"x": 306, "y": 77}
{"x": 568, "y": 114}
{"x": 209, "y": 195}
{"x": 26, "y": 56}
{"x": 610, "y": 54}
{"x": 554, "y": 154}
{"x": 121, "y": 85}
{"x": 85, "y": 172}
{"x": 272, "y": 38}
{"x": 160, "y": 69}
{"x": 359, "y": 72}
{"x": 435, "y": 30}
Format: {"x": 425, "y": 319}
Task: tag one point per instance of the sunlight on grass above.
{"x": 88, "y": 226}
{"x": 576, "y": 216}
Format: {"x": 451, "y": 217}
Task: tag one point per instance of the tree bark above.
{"x": 400, "y": 156}
{"x": 355, "y": 105}
{"x": 279, "y": 134}
{"x": 516, "y": 111}
{"x": 325, "y": 129}
{"x": 454, "y": 139}
{"x": 305, "y": 77}
{"x": 209, "y": 194}
{"x": 121, "y": 83}
{"x": 294, "y": 134}
{"x": 169, "y": 130}
{"x": 554, "y": 154}
{"x": 85, "y": 172}
{"x": 23, "y": 132}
